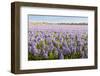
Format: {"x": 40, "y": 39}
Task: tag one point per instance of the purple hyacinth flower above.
{"x": 30, "y": 49}
{"x": 44, "y": 53}
{"x": 61, "y": 56}
{"x": 38, "y": 39}
{"x": 66, "y": 50}
{"x": 35, "y": 40}
{"x": 33, "y": 44}
{"x": 72, "y": 48}
{"x": 34, "y": 51}
{"x": 51, "y": 47}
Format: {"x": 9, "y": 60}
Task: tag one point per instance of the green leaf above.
{"x": 51, "y": 56}
{"x": 38, "y": 46}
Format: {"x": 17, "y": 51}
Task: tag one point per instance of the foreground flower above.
{"x": 57, "y": 45}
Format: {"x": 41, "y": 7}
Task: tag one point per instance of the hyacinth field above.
{"x": 51, "y": 42}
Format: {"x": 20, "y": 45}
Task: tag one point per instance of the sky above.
{"x": 57, "y": 19}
